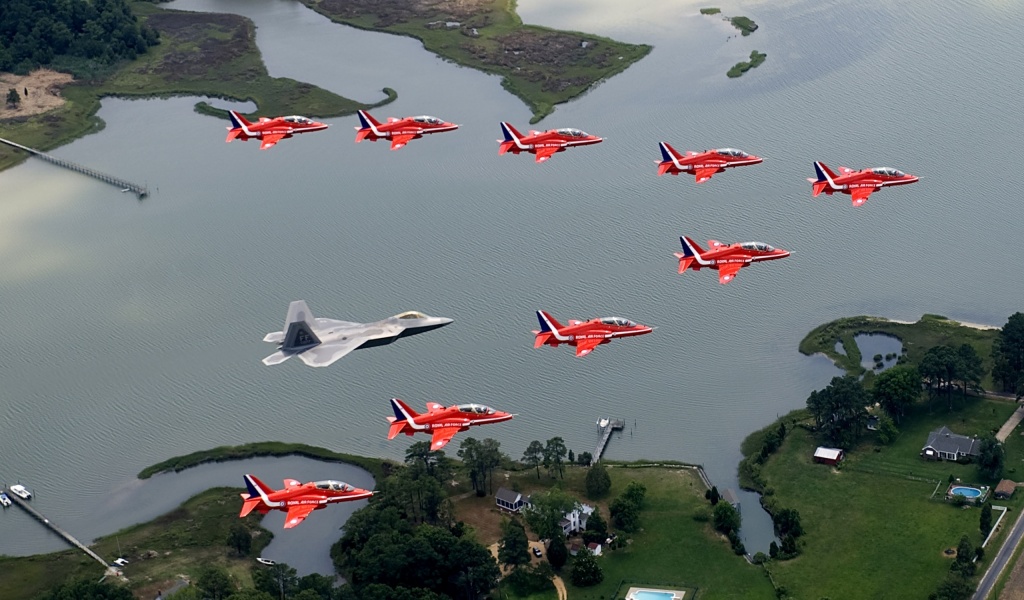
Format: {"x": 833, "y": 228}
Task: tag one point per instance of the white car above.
{"x": 265, "y": 561}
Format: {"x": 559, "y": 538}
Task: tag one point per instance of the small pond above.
{"x": 876, "y": 344}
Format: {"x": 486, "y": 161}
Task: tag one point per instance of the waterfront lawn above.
{"x": 541, "y": 66}
{"x": 182, "y": 541}
{"x": 673, "y": 549}
{"x": 200, "y": 54}
{"x": 869, "y": 535}
{"x": 917, "y": 338}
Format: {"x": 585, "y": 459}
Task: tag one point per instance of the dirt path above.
{"x": 559, "y": 584}
{"x": 43, "y": 87}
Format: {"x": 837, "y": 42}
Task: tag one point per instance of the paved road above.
{"x": 999, "y": 561}
{"x": 1013, "y": 421}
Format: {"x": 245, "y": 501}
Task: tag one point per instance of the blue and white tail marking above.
{"x": 239, "y": 122}
{"x": 257, "y": 489}
{"x": 548, "y": 326}
{"x": 404, "y": 413}
{"x": 824, "y": 174}
{"x": 511, "y": 135}
{"x": 691, "y": 250}
{"x": 368, "y": 122}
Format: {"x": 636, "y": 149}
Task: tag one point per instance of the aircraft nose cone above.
{"x": 442, "y": 321}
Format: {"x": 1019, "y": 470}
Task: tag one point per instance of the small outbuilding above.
{"x": 509, "y": 500}
{"x": 594, "y": 548}
{"x": 828, "y": 456}
{"x": 1005, "y": 489}
{"x": 730, "y": 496}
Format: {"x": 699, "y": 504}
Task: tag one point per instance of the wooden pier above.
{"x": 126, "y": 186}
{"x": 606, "y": 434}
{"x": 64, "y": 534}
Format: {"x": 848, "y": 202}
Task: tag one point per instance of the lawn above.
{"x": 672, "y": 550}
{"x": 873, "y": 528}
{"x": 180, "y": 542}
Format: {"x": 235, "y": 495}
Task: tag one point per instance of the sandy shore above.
{"x": 43, "y": 87}
{"x": 964, "y": 323}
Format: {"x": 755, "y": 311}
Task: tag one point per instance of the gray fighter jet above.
{"x": 320, "y": 342}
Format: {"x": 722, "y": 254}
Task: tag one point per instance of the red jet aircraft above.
{"x": 585, "y": 335}
{"x": 299, "y": 499}
{"x": 702, "y": 165}
{"x": 858, "y": 184}
{"x": 727, "y": 259}
{"x": 399, "y": 131}
{"x": 441, "y": 422}
{"x": 543, "y": 144}
{"x": 270, "y": 131}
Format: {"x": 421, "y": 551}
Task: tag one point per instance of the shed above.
{"x": 594, "y": 548}
{"x": 509, "y": 500}
{"x": 1005, "y": 489}
{"x": 730, "y": 496}
{"x": 828, "y": 456}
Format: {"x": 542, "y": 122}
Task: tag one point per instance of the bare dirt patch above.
{"x": 43, "y": 92}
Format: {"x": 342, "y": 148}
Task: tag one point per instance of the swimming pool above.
{"x": 966, "y": 492}
{"x": 651, "y": 595}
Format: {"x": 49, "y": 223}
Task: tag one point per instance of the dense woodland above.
{"x": 69, "y": 34}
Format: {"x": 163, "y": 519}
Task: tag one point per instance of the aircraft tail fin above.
{"x": 298, "y": 328}
{"x": 825, "y": 181}
{"x": 548, "y": 324}
{"x": 368, "y": 124}
{"x": 402, "y": 411}
{"x": 511, "y": 138}
{"x": 396, "y": 428}
{"x": 692, "y": 253}
{"x": 258, "y": 491}
{"x": 238, "y": 121}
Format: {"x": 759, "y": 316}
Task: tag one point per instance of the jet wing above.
{"x": 860, "y": 195}
{"x": 545, "y": 153}
{"x": 434, "y": 407}
{"x": 703, "y": 175}
{"x": 442, "y": 436}
{"x": 584, "y": 347}
{"x": 727, "y": 271}
{"x": 297, "y": 514}
{"x": 326, "y": 354}
{"x": 269, "y": 139}
{"x": 400, "y": 140}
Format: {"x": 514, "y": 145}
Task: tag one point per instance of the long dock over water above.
{"x": 56, "y": 529}
{"x": 140, "y": 191}
{"x": 606, "y": 434}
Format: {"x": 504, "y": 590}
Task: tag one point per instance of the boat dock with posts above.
{"x": 607, "y": 426}
{"x": 140, "y": 191}
{"x": 64, "y": 534}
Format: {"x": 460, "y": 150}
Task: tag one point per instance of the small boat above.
{"x": 21, "y": 492}
{"x": 265, "y": 561}
{"x": 4, "y": 500}
{"x": 602, "y": 423}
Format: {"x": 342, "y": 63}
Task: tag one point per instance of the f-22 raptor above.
{"x": 320, "y": 342}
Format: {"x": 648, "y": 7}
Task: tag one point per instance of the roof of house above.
{"x": 730, "y": 496}
{"x": 507, "y": 495}
{"x": 593, "y": 545}
{"x": 1006, "y": 486}
{"x": 564, "y": 522}
{"x": 944, "y": 440}
{"x": 828, "y": 453}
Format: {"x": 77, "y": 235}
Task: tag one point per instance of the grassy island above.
{"x": 710, "y": 11}
{"x": 917, "y": 338}
{"x": 744, "y": 24}
{"x": 756, "y": 58}
{"x": 226, "y": 453}
{"x": 200, "y": 54}
{"x": 541, "y": 66}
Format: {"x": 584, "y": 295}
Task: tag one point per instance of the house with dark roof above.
{"x": 944, "y": 444}
{"x": 509, "y": 500}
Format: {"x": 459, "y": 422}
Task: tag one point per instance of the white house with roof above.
{"x": 944, "y": 444}
{"x": 576, "y": 519}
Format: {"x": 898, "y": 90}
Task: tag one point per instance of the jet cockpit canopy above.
{"x": 618, "y": 321}
{"x": 571, "y": 132}
{"x": 411, "y": 314}
{"x": 299, "y": 120}
{"x": 335, "y": 486}
{"x": 732, "y": 152}
{"x": 479, "y": 409}
{"x": 428, "y": 119}
{"x": 758, "y": 246}
{"x": 888, "y": 172}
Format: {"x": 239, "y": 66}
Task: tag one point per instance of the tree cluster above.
{"x": 728, "y": 520}
{"x": 786, "y": 522}
{"x": 481, "y": 458}
{"x": 597, "y": 482}
{"x": 552, "y": 455}
{"x": 585, "y": 570}
{"x": 34, "y": 33}
{"x": 896, "y": 390}
{"x": 840, "y": 411}
{"x": 944, "y": 368}
{"x": 269, "y": 583}
{"x": 625, "y": 510}
{"x": 76, "y": 590}
{"x": 1008, "y": 356}
{"x": 991, "y": 457}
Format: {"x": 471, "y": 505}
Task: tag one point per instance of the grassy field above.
{"x": 672, "y": 550}
{"x": 178, "y": 543}
{"x": 917, "y": 338}
{"x": 199, "y": 54}
{"x": 225, "y": 453}
{"x": 541, "y": 66}
{"x": 874, "y": 529}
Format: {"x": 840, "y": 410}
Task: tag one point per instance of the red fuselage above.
{"x": 858, "y": 184}
{"x": 703, "y": 164}
{"x": 441, "y": 422}
{"x": 543, "y": 144}
{"x": 399, "y": 131}
{"x": 584, "y": 335}
{"x": 297, "y": 499}
{"x": 727, "y": 259}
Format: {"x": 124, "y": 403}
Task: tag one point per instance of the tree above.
{"x": 787, "y": 522}
{"x": 986, "y": 518}
{"x": 554, "y": 456}
{"x": 513, "y": 547}
{"x": 322, "y": 585}
{"x": 13, "y": 98}
{"x": 546, "y": 510}
{"x": 970, "y": 369}
{"x": 887, "y": 431}
{"x": 239, "y": 538}
{"x": 534, "y": 455}
{"x": 215, "y": 583}
{"x": 896, "y": 390}
{"x": 726, "y": 518}
{"x": 557, "y": 552}
{"x": 940, "y": 367}
{"x": 712, "y": 495}
{"x": 585, "y": 570}
{"x": 280, "y": 580}
{"x": 991, "y": 457}
{"x": 87, "y": 589}
{"x": 584, "y": 459}
{"x": 839, "y": 410}
{"x": 1008, "y": 356}
{"x": 598, "y": 482}
{"x": 964, "y": 564}
{"x": 596, "y": 523}
{"x": 572, "y": 456}
{"x": 481, "y": 458}
{"x": 773, "y": 550}
{"x": 625, "y": 514}
{"x": 254, "y": 594}
{"x": 635, "y": 492}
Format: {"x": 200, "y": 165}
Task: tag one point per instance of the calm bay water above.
{"x": 132, "y": 330}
